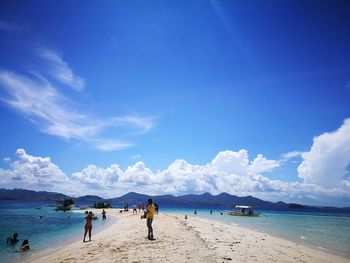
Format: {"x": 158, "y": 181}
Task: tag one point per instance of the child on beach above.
{"x": 88, "y": 225}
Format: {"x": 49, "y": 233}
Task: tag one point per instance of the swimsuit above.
{"x": 88, "y": 224}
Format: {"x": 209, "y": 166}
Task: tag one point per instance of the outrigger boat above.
{"x": 243, "y": 210}
{"x": 65, "y": 205}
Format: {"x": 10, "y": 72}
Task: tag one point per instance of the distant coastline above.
{"x": 223, "y": 200}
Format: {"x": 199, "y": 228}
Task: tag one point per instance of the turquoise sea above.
{"x": 325, "y": 231}
{"x": 42, "y": 225}
{"x": 330, "y": 232}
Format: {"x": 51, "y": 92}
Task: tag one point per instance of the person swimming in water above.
{"x": 88, "y": 225}
{"x": 25, "y": 246}
{"x": 12, "y": 240}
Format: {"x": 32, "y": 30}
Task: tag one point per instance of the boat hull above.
{"x": 64, "y": 208}
{"x": 242, "y": 214}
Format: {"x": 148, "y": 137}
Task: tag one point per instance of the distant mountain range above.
{"x": 23, "y": 194}
{"x": 223, "y": 200}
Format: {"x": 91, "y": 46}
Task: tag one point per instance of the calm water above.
{"x": 54, "y": 229}
{"x": 325, "y": 231}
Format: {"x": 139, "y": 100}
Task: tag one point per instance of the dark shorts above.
{"x": 149, "y": 222}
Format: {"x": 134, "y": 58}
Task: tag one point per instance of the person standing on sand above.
{"x": 88, "y": 225}
{"x": 134, "y": 209}
{"x": 149, "y": 214}
{"x": 104, "y": 214}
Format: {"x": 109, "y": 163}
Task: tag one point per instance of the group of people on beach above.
{"x": 12, "y": 241}
{"x": 149, "y": 213}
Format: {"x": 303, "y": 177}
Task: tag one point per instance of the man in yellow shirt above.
{"x": 149, "y": 218}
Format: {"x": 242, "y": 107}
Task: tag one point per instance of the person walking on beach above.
{"x": 149, "y": 214}
{"x": 104, "y": 214}
{"x": 88, "y": 225}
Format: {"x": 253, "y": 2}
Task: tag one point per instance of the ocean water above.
{"x": 330, "y": 232}
{"x": 54, "y": 229}
{"x": 325, "y": 231}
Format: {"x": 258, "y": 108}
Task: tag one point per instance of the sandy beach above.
{"x": 181, "y": 240}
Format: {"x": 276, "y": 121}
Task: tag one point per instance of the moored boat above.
{"x": 243, "y": 210}
{"x": 65, "y": 205}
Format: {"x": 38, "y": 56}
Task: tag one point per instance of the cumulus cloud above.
{"x": 95, "y": 177}
{"x": 260, "y": 164}
{"x": 137, "y": 175}
{"x": 60, "y": 70}
{"x": 231, "y": 162}
{"x": 327, "y": 162}
{"x": 37, "y": 173}
{"x": 229, "y": 171}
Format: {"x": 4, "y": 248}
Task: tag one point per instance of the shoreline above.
{"x": 301, "y": 240}
{"x": 71, "y": 239}
{"x": 179, "y": 240}
{"x": 288, "y": 238}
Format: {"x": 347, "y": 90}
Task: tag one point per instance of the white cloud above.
{"x": 137, "y": 175}
{"x": 95, "y": 177}
{"x": 40, "y": 102}
{"x": 143, "y": 124}
{"x": 291, "y": 155}
{"x": 60, "y": 70}
{"x": 231, "y": 162}
{"x": 36, "y": 173}
{"x": 327, "y": 161}
{"x": 108, "y": 145}
{"x": 229, "y": 171}
{"x": 260, "y": 164}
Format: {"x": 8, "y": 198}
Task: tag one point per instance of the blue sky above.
{"x": 177, "y": 97}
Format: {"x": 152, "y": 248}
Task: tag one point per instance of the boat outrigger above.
{"x": 244, "y": 210}
{"x": 65, "y": 205}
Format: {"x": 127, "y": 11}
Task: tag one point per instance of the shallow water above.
{"x": 54, "y": 229}
{"x": 326, "y": 231}
{"x": 330, "y": 232}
